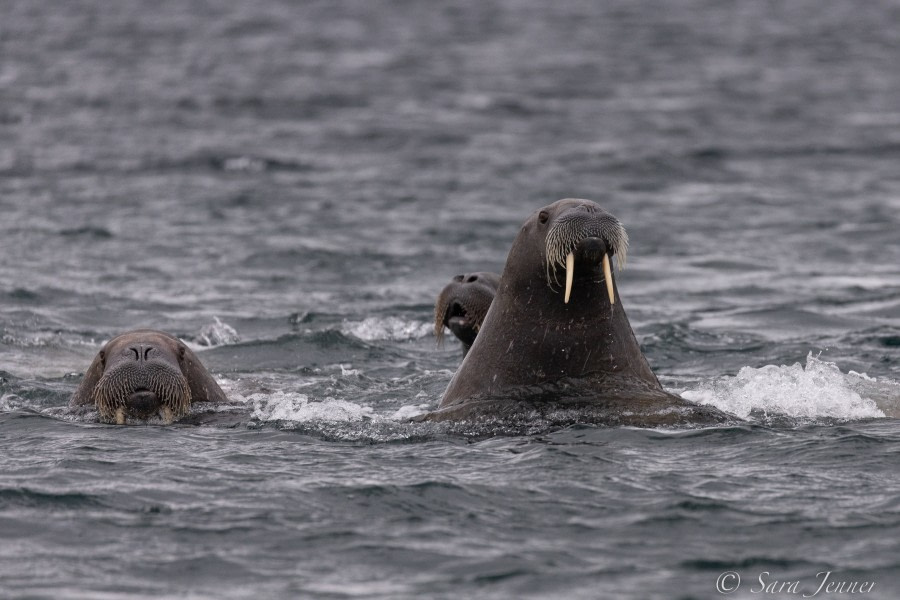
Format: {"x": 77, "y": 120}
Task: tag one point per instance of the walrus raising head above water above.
{"x": 556, "y": 337}
{"x": 143, "y": 374}
{"x": 462, "y": 305}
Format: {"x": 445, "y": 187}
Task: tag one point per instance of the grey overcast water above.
{"x": 288, "y": 185}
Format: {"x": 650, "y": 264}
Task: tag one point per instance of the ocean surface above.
{"x": 288, "y": 185}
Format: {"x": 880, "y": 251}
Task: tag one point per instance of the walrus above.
{"x": 142, "y": 374}
{"x": 462, "y": 306}
{"x": 556, "y": 338}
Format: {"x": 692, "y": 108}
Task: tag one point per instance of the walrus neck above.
{"x": 587, "y": 327}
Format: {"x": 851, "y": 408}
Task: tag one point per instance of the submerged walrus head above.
{"x": 142, "y": 374}
{"x": 462, "y": 305}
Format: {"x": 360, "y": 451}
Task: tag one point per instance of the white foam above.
{"x": 406, "y": 412}
{"x": 349, "y": 371}
{"x": 11, "y": 402}
{"x": 818, "y": 389}
{"x": 47, "y": 339}
{"x": 286, "y": 406}
{"x": 386, "y": 328}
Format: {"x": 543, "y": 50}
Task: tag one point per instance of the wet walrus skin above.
{"x": 542, "y": 351}
{"x": 142, "y": 374}
{"x": 462, "y": 306}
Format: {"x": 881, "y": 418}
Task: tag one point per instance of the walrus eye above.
{"x": 543, "y": 216}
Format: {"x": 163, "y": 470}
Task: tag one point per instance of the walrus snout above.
{"x": 143, "y": 403}
{"x": 464, "y": 328}
{"x": 139, "y": 385}
{"x": 585, "y": 229}
{"x": 590, "y": 251}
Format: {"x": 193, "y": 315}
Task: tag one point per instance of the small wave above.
{"x": 87, "y": 231}
{"x": 394, "y": 329}
{"x": 218, "y": 334}
{"x": 24, "y": 497}
{"x": 818, "y": 389}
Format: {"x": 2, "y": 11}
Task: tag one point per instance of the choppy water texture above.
{"x": 287, "y": 186}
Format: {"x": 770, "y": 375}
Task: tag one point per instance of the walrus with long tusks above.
{"x": 462, "y": 306}
{"x": 143, "y": 374}
{"x": 556, "y": 338}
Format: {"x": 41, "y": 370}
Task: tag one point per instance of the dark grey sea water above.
{"x": 287, "y": 186}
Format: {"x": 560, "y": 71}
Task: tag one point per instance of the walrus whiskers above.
{"x": 565, "y": 235}
{"x": 112, "y": 390}
{"x": 441, "y": 308}
{"x": 174, "y": 394}
{"x": 109, "y": 396}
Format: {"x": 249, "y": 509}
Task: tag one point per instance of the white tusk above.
{"x": 570, "y": 273}
{"x": 607, "y": 274}
{"x": 120, "y": 416}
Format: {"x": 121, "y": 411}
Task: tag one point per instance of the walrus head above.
{"x": 580, "y": 232}
{"x": 462, "y": 305}
{"x": 142, "y": 374}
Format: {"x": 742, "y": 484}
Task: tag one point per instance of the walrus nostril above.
{"x": 471, "y": 278}
{"x": 143, "y": 403}
{"x": 141, "y": 353}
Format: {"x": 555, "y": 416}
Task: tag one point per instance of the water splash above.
{"x": 386, "y": 328}
{"x": 818, "y": 389}
{"x": 285, "y": 406}
{"x": 11, "y": 402}
{"x": 218, "y": 334}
